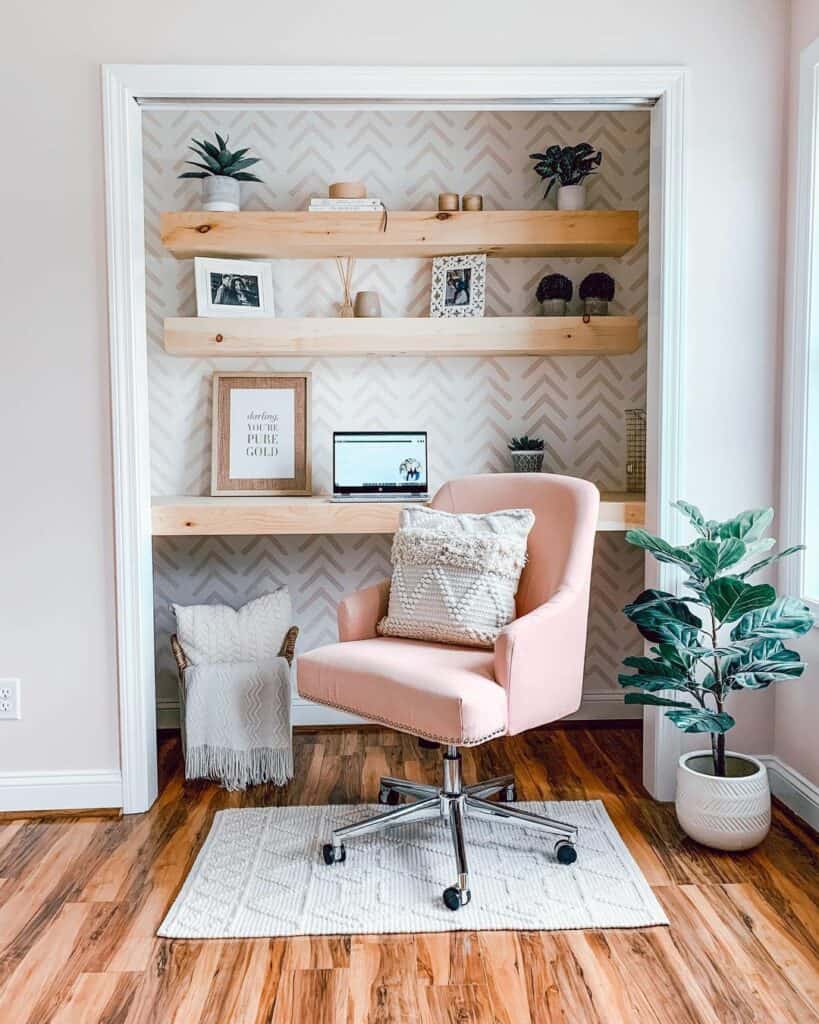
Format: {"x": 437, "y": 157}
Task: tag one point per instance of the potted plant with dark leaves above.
{"x": 221, "y": 170}
{"x": 568, "y": 166}
{"x": 596, "y": 292}
{"x": 527, "y": 454}
{"x": 719, "y": 636}
{"x": 553, "y": 292}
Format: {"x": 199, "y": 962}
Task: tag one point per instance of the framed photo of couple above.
{"x": 233, "y": 287}
{"x": 261, "y": 434}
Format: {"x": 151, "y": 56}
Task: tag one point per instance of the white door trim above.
{"x": 125, "y": 86}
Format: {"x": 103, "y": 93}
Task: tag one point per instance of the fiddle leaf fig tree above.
{"x": 722, "y": 633}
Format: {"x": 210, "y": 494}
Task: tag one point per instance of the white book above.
{"x": 345, "y": 204}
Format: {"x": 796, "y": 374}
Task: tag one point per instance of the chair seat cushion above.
{"x": 437, "y": 691}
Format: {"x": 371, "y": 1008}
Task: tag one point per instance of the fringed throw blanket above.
{"x": 237, "y": 717}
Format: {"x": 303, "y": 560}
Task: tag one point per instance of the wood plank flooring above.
{"x": 81, "y": 898}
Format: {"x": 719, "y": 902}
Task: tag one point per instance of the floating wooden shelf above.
{"x": 453, "y": 336}
{"x": 410, "y": 233}
{"x": 196, "y": 517}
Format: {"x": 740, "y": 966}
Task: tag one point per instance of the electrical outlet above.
{"x": 10, "y": 698}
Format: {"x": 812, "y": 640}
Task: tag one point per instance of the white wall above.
{"x": 796, "y": 714}
{"x": 55, "y": 519}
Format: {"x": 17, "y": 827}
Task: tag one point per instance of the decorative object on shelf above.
{"x": 261, "y": 433}
{"x": 636, "y": 451}
{"x": 233, "y": 287}
{"x": 527, "y": 454}
{"x": 735, "y": 643}
{"x": 221, "y": 172}
{"x": 448, "y": 201}
{"x": 596, "y": 291}
{"x": 367, "y": 304}
{"x": 553, "y": 292}
{"x": 569, "y": 167}
{"x": 347, "y": 190}
{"x": 472, "y": 202}
{"x": 458, "y": 286}
{"x": 345, "y": 272}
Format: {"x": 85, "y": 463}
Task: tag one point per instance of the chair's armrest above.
{"x": 358, "y": 613}
{"x": 539, "y": 660}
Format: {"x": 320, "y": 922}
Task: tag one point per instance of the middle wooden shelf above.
{"x": 358, "y": 336}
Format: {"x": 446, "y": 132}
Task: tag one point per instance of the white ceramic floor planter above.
{"x": 732, "y": 813}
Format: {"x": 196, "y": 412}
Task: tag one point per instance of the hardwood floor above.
{"x": 81, "y": 898}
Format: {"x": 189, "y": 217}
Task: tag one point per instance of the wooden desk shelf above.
{"x": 417, "y": 336}
{"x": 198, "y": 517}
{"x": 417, "y": 234}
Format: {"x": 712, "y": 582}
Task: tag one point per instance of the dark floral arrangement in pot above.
{"x": 568, "y": 166}
{"x": 527, "y": 454}
{"x": 221, "y": 170}
{"x": 553, "y": 292}
{"x": 721, "y": 635}
{"x": 596, "y": 292}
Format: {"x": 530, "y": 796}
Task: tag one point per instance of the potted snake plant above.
{"x": 719, "y": 636}
{"x": 220, "y": 170}
{"x": 527, "y": 454}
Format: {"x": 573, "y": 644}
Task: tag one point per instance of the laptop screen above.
{"x": 379, "y": 462}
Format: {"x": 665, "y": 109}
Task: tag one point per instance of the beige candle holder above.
{"x": 472, "y": 202}
{"x": 348, "y": 190}
{"x": 448, "y": 201}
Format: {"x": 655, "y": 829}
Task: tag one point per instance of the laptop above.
{"x": 380, "y": 465}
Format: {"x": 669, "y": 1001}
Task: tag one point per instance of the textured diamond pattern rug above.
{"x": 260, "y": 873}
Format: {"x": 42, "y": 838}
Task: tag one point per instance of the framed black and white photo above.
{"x": 261, "y": 433}
{"x": 458, "y": 286}
{"x": 233, "y": 287}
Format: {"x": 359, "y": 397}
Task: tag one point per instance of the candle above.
{"x": 472, "y": 202}
{"x": 448, "y": 201}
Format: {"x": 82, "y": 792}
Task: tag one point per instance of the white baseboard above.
{"x": 59, "y": 791}
{"x": 598, "y": 705}
{"x": 793, "y": 789}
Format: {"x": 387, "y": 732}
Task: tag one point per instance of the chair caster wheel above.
{"x": 508, "y": 795}
{"x": 389, "y": 796}
{"x": 455, "y": 898}
{"x": 565, "y": 851}
{"x": 332, "y": 855}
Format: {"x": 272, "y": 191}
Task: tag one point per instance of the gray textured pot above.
{"x": 220, "y": 194}
{"x": 595, "y": 307}
{"x": 553, "y": 307}
{"x": 527, "y": 462}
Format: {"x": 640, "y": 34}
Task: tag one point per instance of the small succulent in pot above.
{"x": 596, "y": 291}
{"x": 553, "y": 292}
{"x": 527, "y": 454}
{"x": 221, "y": 170}
{"x": 569, "y": 166}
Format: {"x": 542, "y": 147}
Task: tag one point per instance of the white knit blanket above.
{"x": 237, "y": 721}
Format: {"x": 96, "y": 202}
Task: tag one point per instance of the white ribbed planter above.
{"x": 732, "y": 813}
{"x": 571, "y": 197}
{"x": 220, "y": 193}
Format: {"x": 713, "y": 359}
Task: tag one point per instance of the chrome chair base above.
{"x": 452, "y": 801}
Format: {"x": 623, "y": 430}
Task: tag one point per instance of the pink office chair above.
{"x": 463, "y": 696}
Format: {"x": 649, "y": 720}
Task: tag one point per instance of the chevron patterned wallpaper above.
{"x": 470, "y": 406}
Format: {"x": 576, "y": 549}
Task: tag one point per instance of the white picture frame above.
{"x": 233, "y": 287}
{"x": 458, "y": 286}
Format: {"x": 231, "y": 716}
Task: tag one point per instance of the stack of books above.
{"x": 323, "y": 204}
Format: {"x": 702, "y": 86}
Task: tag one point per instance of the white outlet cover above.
{"x": 10, "y": 699}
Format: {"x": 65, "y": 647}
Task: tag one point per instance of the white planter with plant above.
{"x": 527, "y": 454}
{"x": 220, "y": 171}
{"x": 722, "y": 636}
{"x": 569, "y": 167}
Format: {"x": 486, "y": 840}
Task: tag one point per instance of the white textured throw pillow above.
{"x": 214, "y": 633}
{"x": 455, "y": 577}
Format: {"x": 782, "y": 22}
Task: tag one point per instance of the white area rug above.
{"x": 260, "y": 873}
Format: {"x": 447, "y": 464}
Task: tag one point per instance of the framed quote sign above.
{"x": 261, "y": 433}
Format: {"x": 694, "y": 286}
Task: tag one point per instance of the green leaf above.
{"x": 195, "y": 163}
{"x": 653, "y": 699}
{"x": 212, "y": 162}
{"x": 245, "y": 176}
{"x": 713, "y": 556}
{"x": 207, "y": 149}
{"x": 731, "y": 598}
{"x": 661, "y": 549}
{"x": 661, "y": 618}
{"x": 195, "y": 174}
{"x": 746, "y": 526}
{"x": 786, "y": 617}
{"x": 655, "y": 667}
{"x": 692, "y": 514}
{"x": 238, "y": 165}
{"x": 770, "y": 560}
{"x": 222, "y": 142}
{"x": 700, "y": 720}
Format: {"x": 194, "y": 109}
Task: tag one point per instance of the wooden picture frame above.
{"x": 261, "y": 442}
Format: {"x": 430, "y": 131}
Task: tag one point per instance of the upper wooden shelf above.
{"x": 246, "y": 516}
{"x": 454, "y": 336}
{"x": 410, "y": 233}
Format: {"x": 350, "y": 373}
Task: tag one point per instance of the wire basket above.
{"x": 636, "y": 451}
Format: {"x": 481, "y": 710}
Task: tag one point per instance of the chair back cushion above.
{"x": 212, "y": 634}
{"x": 455, "y": 576}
